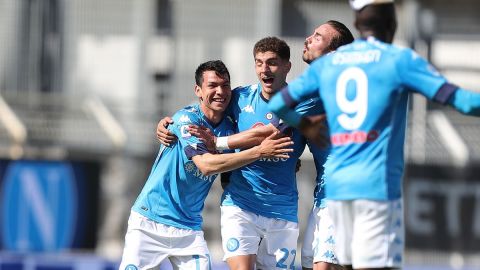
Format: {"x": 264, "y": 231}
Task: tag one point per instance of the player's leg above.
{"x": 189, "y": 250}
{"x": 145, "y": 247}
{"x": 378, "y": 238}
{"x": 240, "y": 238}
{"x": 278, "y": 247}
{"x": 341, "y": 214}
{"x": 324, "y": 257}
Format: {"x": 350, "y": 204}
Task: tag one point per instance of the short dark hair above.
{"x": 272, "y": 44}
{"x": 215, "y": 65}
{"x": 344, "y": 36}
{"x": 379, "y": 19}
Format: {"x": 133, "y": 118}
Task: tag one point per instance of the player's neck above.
{"x": 214, "y": 117}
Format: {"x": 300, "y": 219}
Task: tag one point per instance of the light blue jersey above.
{"x": 175, "y": 191}
{"x": 364, "y": 87}
{"x": 319, "y": 155}
{"x": 265, "y": 187}
{"x": 319, "y": 158}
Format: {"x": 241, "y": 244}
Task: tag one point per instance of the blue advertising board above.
{"x": 48, "y": 205}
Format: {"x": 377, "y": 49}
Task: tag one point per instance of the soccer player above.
{"x": 318, "y": 242}
{"x": 364, "y": 88}
{"x": 165, "y": 221}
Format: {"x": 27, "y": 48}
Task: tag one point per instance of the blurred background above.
{"x": 84, "y": 82}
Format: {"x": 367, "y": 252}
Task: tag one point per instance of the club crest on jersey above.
{"x": 269, "y": 116}
{"x": 184, "y": 131}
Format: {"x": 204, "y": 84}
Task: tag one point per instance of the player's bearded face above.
{"x": 317, "y": 44}
{"x": 215, "y": 92}
{"x": 271, "y": 71}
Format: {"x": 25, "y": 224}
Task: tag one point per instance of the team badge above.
{"x": 232, "y": 244}
{"x": 131, "y": 267}
{"x": 269, "y": 116}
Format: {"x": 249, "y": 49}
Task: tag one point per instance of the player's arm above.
{"x": 312, "y": 127}
{"x": 417, "y": 73}
{"x": 465, "y": 101}
{"x": 243, "y": 140}
{"x": 272, "y": 146}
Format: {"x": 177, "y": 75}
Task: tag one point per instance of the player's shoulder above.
{"x": 246, "y": 90}
{"x": 187, "y": 115}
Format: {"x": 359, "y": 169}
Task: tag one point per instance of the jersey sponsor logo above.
{"x": 184, "y": 131}
{"x": 232, "y": 244}
{"x": 131, "y": 267}
{"x": 192, "y": 169}
{"x": 357, "y": 137}
{"x": 273, "y": 159}
{"x": 248, "y": 109}
{"x": 184, "y": 119}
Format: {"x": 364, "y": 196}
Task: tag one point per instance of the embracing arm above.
{"x": 216, "y": 163}
{"x": 242, "y": 140}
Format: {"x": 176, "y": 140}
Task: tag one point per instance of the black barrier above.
{"x": 48, "y": 205}
{"x": 442, "y": 208}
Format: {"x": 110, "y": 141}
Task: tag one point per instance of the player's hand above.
{"x": 205, "y": 135}
{"x": 315, "y": 129}
{"x": 266, "y": 130}
{"x": 275, "y": 146}
{"x": 164, "y": 136}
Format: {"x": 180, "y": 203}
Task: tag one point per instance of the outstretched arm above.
{"x": 465, "y": 101}
{"x": 270, "y": 147}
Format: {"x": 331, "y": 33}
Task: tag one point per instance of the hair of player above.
{"x": 343, "y": 37}
{"x": 272, "y": 44}
{"x": 215, "y": 65}
{"x": 377, "y": 20}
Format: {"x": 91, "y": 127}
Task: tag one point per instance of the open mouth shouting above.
{"x": 268, "y": 80}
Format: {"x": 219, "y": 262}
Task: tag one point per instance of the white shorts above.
{"x": 148, "y": 243}
{"x": 318, "y": 241}
{"x": 274, "y": 241}
{"x": 369, "y": 234}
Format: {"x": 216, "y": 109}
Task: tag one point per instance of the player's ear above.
{"x": 289, "y": 66}
{"x": 198, "y": 91}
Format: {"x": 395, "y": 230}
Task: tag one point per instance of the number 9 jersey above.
{"x": 364, "y": 87}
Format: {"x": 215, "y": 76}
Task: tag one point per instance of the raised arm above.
{"x": 270, "y": 147}
{"x": 465, "y": 101}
